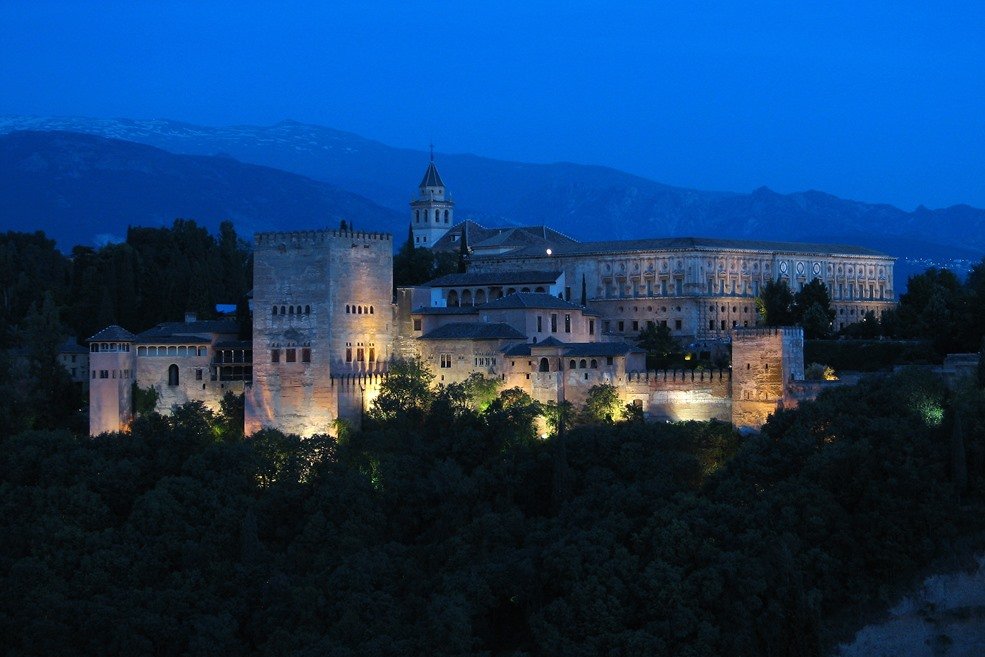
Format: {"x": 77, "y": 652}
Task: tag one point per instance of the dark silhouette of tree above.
{"x": 775, "y": 304}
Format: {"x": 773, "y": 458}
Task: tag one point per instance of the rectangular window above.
{"x": 372, "y": 354}
{"x": 621, "y": 326}
{"x": 275, "y": 355}
{"x": 445, "y": 361}
{"x": 608, "y": 360}
{"x": 348, "y": 354}
{"x": 306, "y": 355}
{"x": 360, "y": 354}
{"x": 103, "y": 374}
{"x": 198, "y": 374}
{"x": 605, "y": 326}
{"x": 540, "y": 324}
{"x": 711, "y": 325}
{"x": 417, "y": 325}
{"x": 553, "y": 322}
{"x": 636, "y": 325}
{"x": 591, "y": 327}
{"x": 567, "y": 323}
{"x": 292, "y": 355}
{"x": 677, "y": 324}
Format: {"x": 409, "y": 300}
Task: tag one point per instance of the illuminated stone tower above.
{"x": 764, "y": 362}
{"x": 322, "y": 312}
{"x": 433, "y": 213}
{"x": 111, "y": 371}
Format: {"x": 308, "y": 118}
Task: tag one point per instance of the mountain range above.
{"x": 293, "y": 175}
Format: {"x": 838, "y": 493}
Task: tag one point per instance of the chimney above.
{"x": 190, "y": 317}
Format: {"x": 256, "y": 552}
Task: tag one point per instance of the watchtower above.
{"x": 111, "y": 368}
{"x": 764, "y": 361}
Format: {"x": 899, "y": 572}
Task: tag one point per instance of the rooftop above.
{"x": 691, "y": 244}
{"x": 195, "y": 328}
{"x": 575, "y": 349}
{"x": 496, "y": 278}
{"x": 474, "y": 331}
{"x": 481, "y": 238}
{"x": 114, "y": 333}
{"x": 530, "y": 300}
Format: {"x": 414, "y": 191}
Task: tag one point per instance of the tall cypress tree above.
{"x": 463, "y": 250}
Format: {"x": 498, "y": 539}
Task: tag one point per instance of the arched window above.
{"x": 480, "y": 297}
{"x": 466, "y": 297}
{"x": 347, "y": 309}
{"x": 299, "y": 310}
{"x": 359, "y": 310}
{"x": 371, "y": 312}
{"x": 446, "y": 216}
{"x": 526, "y": 289}
{"x": 452, "y": 298}
{"x": 582, "y": 364}
{"x": 291, "y": 310}
{"x": 307, "y": 310}
{"x": 571, "y": 365}
{"x": 539, "y": 289}
{"x": 417, "y": 216}
{"x": 273, "y": 310}
{"x": 173, "y": 375}
{"x": 283, "y": 310}
{"x": 595, "y": 364}
{"x": 545, "y": 366}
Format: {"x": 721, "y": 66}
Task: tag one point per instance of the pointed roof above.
{"x": 113, "y": 333}
{"x": 431, "y": 177}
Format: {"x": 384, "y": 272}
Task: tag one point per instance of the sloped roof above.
{"x": 114, "y": 333}
{"x": 196, "y": 328}
{"x": 431, "y": 177}
{"x": 441, "y": 310}
{"x": 495, "y": 278}
{"x": 550, "y": 342}
{"x": 575, "y": 349}
{"x": 70, "y": 346}
{"x": 691, "y": 244}
{"x": 529, "y": 300}
{"x": 474, "y": 331}
{"x": 171, "y": 339}
{"x": 515, "y": 237}
{"x": 235, "y": 344}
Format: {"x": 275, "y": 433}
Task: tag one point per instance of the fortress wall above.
{"x": 764, "y": 360}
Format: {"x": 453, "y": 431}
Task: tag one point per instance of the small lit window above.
{"x": 292, "y": 355}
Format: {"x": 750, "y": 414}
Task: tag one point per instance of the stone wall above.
{"x": 764, "y": 361}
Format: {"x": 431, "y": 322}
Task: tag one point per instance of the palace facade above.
{"x": 536, "y": 309}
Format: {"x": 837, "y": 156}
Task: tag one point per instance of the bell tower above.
{"x": 433, "y": 212}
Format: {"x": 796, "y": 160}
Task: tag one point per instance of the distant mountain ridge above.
{"x": 82, "y": 188}
{"x": 586, "y": 202}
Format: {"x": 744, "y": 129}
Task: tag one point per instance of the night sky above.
{"x": 875, "y": 101}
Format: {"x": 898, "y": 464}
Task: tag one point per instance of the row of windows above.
{"x": 437, "y": 216}
{"x": 635, "y": 325}
{"x": 485, "y": 361}
{"x": 360, "y": 354}
{"x": 181, "y": 351}
{"x": 359, "y": 310}
{"x": 111, "y": 374}
{"x": 109, "y": 346}
{"x": 291, "y": 310}
{"x": 545, "y": 365}
{"x": 291, "y": 355}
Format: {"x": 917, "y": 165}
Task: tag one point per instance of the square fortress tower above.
{"x": 322, "y": 308}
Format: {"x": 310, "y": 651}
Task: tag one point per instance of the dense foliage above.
{"x": 155, "y": 276}
{"x": 447, "y": 527}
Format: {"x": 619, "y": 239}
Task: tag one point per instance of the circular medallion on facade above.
{"x": 817, "y": 268}
{"x": 800, "y": 268}
{"x": 783, "y": 266}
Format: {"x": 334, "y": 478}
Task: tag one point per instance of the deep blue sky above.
{"x": 876, "y": 101}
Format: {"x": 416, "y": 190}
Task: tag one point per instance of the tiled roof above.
{"x": 496, "y": 278}
{"x": 529, "y": 300}
{"x": 690, "y": 244}
{"x": 171, "y": 339}
{"x": 575, "y": 349}
{"x": 550, "y": 342}
{"x": 475, "y": 331}
{"x": 516, "y": 237}
{"x": 70, "y": 346}
{"x": 114, "y": 333}
{"x": 199, "y": 327}
{"x": 431, "y": 177}
{"x": 440, "y": 310}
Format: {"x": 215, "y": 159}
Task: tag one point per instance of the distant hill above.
{"x": 586, "y": 202}
{"x": 85, "y": 189}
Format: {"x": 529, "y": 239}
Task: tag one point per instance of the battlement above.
{"x": 314, "y": 237}
{"x": 767, "y": 331}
